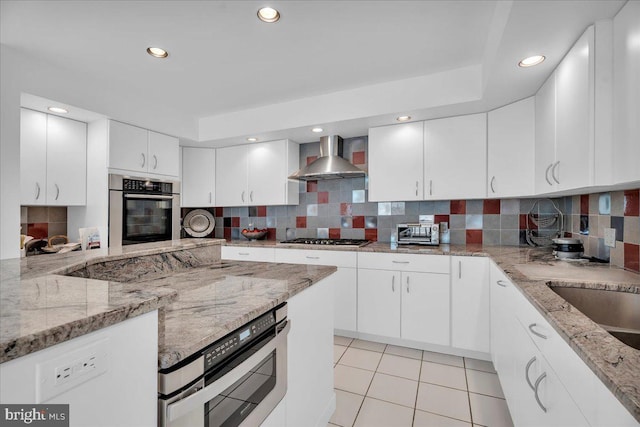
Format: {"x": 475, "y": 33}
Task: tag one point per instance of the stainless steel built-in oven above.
{"x": 236, "y": 381}
{"x": 142, "y": 210}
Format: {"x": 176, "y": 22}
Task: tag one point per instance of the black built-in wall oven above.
{"x": 236, "y": 381}
{"x": 142, "y": 210}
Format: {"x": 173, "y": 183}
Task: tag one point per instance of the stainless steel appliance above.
{"x": 423, "y": 233}
{"x": 354, "y": 243}
{"x": 330, "y": 164}
{"x": 236, "y": 381}
{"x": 142, "y": 210}
{"x": 567, "y": 248}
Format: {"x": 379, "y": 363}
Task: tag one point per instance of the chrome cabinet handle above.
{"x": 531, "y": 326}
{"x": 407, "y": 284}
{"x": 400, "y": 262}
{"x": 535, "y": 391}
{"x": 431, "y": 187}
{"x": 155, "y": 161}
{"x": 493, "y": 178}
{"x": 526, "y": 372}
{"x": 243, "y": 253}
{"x": 251, "y": 195}
{"x": 37, "y": 191}
{"x": 242, "y": 196}
{"x": 144, "y": 160}
{"x": 546, "y": 174}
{"x": 393, "y": 283}
{"x": 416, "y": 188}
{"x": 313, "y": 257}
{"x": 209, "y": 196}
{"x": 553, "y": 171}
{"x": 501, "y": 283}
{"x": 459, "y": 269}
{"x": 57, "y": 191}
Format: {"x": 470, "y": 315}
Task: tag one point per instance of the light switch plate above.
{"x": 610, "y": 237}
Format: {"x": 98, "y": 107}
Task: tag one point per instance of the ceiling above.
{"x": 223, "y": 60}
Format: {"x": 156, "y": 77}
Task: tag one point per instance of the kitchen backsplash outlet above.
{"x": 43, "y": 222}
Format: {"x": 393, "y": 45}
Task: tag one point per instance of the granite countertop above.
{"x": 531, "y": 269}
{"x": 200, "y": 299}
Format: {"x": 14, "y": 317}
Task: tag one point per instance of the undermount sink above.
{"x": 615, "y": 311}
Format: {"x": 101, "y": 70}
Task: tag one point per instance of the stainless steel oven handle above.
{"x": 147, "y": 196}
{"x": 195, "y": 401}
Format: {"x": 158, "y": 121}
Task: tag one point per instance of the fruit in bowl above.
{"x": 255, "y": 234}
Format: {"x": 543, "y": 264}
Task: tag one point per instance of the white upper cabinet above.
{"x": 545, "y": 136}
{"x": 564, "y": 151}
{"x": 134, "y": 149}
{"x": 455, "y": 156}
{"x": 198, "y": 177}
{"x": 511, "y": 143}
{"x": 396, "y": 162}
{"x": 626, "y": 93}
{"x": 257, "y": 174}
{"x": 163, "y": 154}
{"x": 33, "y": 157}
{"x": 575, "y": 115}
{"x": 53, "y": 160}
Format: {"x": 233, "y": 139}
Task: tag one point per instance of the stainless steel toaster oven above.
{"x": 424, "y": 233}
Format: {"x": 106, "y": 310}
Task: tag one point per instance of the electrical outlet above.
{"x": 610, "y": 237}
{"x": 63, "y": 373}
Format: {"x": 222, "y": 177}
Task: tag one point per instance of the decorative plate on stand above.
{"x": 198, "y": 223}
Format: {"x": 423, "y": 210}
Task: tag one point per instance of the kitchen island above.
{"x": 196, "y": 298}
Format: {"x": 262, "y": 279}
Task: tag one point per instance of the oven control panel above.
{"x": 142, "y": 186}
{"x": 223, "y": 348}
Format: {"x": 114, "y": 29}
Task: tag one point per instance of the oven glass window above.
{"x": 232, "y": 406}
{"x": 146, "y": 220}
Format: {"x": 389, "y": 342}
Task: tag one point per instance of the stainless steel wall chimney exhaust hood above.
{"x": 330, "y": 164}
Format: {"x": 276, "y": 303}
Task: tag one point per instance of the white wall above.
{"x": 23, "y": 74}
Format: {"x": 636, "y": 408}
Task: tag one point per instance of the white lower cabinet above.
{"x": 244, "y": 253}
{"x": 544, "y": 381}
{"x": 412, "y": 305}
{"x": 470, "y": 318}
{"x": 345, "y": 279}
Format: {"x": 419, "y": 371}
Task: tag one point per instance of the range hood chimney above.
{"x": 330, "y": 164}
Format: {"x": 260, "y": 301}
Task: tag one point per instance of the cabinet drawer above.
{"x": 536, "y": 325}
{"x": 405, "y": 262}
{"x": 241, "y": 253}
{"x": 317, "y": 257}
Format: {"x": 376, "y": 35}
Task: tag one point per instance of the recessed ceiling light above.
{"x": 403, "y": 118}
{"x": 268, "y": 14}
{"x": 59, "y": 110}
{"x": 317, "y": 130}
{"x": 531, "y": 61}
{"x": 157, "y": 52}
{"x": 252, "y": 139}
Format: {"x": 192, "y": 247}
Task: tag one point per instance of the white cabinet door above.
{"x": 128, "y": 147}
{"x": 379, "y": 302}
{"x": 198, "y": 177}
{"x": 455, "y": 156}
{"x": 396, "y": 162}
{"x": 267, "y": 167}
{"x": 346, "y": 295}
{"x": 33, "y": 158}
{"x": 66, "y": 162}
{"x": 425, "y": 307}
{"x": 231, "y": 176}
{"x": 626, "y": 93}
{"x": 470, "y": 324}
{"x": 511, "y": 143}
{"x": 575, "y": 115}
{"x": 163, "y": 154}
{"x": 545, "y": 150}
{"x": 243, "y": 253}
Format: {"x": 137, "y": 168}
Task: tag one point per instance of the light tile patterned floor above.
{"x": 379, "y": 385}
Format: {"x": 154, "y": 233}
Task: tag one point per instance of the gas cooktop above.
{"x": 326, "y": 242}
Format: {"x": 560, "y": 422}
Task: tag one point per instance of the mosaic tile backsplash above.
{"x": 339, "y": 209}
{"x": 43, "y": 222}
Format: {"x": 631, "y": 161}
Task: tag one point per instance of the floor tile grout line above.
{"x": 415, "y": 405}
{"x": 464, "y": 362}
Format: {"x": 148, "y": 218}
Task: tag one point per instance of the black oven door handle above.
{"x": 147, "y": 196}
{"x": 198, "y": 399}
